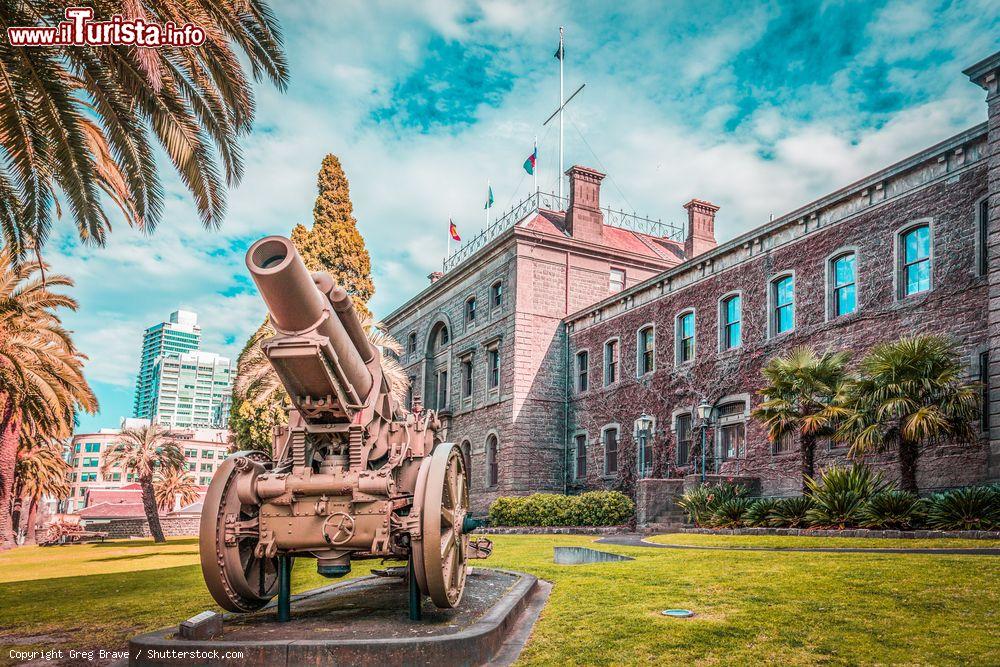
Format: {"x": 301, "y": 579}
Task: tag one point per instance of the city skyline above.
{"x": 447, "y": 95}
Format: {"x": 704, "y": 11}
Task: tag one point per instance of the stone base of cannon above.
{"x": 363, "y": 621}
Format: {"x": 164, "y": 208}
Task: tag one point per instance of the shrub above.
{"x": 759, "y": 512}
{"x": 840, "y": 494}
{"x": 971, "y": 508}
{"x": 894, "y": 510}
{"x": 731, "y": 513}
{"x": 700, "y": 503}
{"x": 791, "y": 512}
{"x": 595, "y": 508}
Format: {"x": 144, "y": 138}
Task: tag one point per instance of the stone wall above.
{"x": 656, "y": 502}
{"x": 943, "y": 192}
{"x": 125, "y": 528}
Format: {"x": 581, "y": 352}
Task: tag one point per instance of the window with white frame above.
{"x": 843, "y": 284}
{"x": 580, "y": 456}
{"x": 582, "y": 370}
{"x": 616, "y": 281}
{"x": 645, "y": 350}
{"x": 611, "y": 362}
{"x": 731, "y": 429}
{"x": 915, "y": 256}
{"x": 782, "y": 305}
{"x": 731, "y": 322}
{"x": 609, "y": 440}
{"x": 682, "y": 431}
{"x": 685, "y": 337}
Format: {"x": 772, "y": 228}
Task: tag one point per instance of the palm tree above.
{"x": 144, "y": 451}
{"x": 41, "y": 373}
{"x": 910, "y": 392}
{"x": 170, "y": 484}
{"x": 41, "y": 472}
{"x": 83, "y": 121}
{"x": 805, "y": 394}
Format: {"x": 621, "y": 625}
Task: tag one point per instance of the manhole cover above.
{"x": 678, "y": 613}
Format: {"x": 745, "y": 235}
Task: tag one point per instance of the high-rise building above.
{"x": 178, "y": 385}
{"x": 179, "y": 335}
{"x": 191, "y": 390}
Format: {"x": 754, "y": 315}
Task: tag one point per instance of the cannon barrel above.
{"x": 298, "y": 302}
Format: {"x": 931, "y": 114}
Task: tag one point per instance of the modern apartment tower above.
{"x": 178, "y": 385}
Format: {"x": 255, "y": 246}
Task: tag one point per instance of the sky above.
{"x": 759, "y": 107}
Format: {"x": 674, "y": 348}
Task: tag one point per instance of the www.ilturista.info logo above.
{"x": 79, "y": 30}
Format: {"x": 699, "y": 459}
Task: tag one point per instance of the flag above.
{"x": 489, "y": 196}
{"x": 529, "y": 164}
{"x": 453, "y": 230}
{"x": 560, "y": 52}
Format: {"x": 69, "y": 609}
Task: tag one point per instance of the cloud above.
{"x": 759, "y": 107}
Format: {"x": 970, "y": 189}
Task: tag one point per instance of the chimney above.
{"x": 584, "y": 219}
{"x": 435, "y": 276}
{"x": 701, "y": 228}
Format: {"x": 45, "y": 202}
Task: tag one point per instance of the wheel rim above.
{"x": 235, "y": 576}
{"x": 442, "y": 546}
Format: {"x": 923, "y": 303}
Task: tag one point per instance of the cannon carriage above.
{"x": 354, "y": 474}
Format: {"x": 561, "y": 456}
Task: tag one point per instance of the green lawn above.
{"x": 752, "y": 607}
{"x": 785, "y": 541}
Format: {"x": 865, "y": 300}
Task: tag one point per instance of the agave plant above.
{"x": 791, "y": 512}
{"x": 840, "y": 494}
{"x": 731, "y": 513}
{"x": 700, "y": 503}
{"x": 894, "y": 510}
{"x": 759, "y": 512}
{"x": 971, "y": 508}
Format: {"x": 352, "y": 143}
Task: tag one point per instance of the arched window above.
{"x": 496, "y": 295}
{"x": 470, "y": 311}
{"x": 609, "y": 439}
{"x": 915, "y": 260}
{"x": 492, "y": 462}
{"x": 467, "y": 455}
{"x": 582, "y": 371}
{"x": 411, "y": 343}
{"x": 645, "y": 343}
{"x": 611, "y": 362}
{"x": 782, "y": 300}
{"x": 843, "y": 284}
{"x": 580, "y": 456}
{"x": 982, "y": 237}
{"x": 684, "y": 335}
{"x": 730, "y": 322}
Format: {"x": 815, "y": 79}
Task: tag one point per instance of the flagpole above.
{"x": 450, "y": 223}
{"x": 487, "y": 202}
{"x": 534, "y": 172}
{"x": 562, "y": 56}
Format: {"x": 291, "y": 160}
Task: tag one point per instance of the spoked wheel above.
{"x": 235, "y": 576}
{"x": 442, "y": 497}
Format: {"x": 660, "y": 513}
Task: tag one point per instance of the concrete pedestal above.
{"x": 365, "y": 622}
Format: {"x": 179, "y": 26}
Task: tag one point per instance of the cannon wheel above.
{"x": 236, "y": 578}
{"x": 442, "y": 498}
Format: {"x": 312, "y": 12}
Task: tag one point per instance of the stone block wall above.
{"x": 125, "y": 528}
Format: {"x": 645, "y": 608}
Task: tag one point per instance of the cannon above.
{"x": 354, "y": 475}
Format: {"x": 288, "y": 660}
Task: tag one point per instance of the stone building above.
{"x": 569, "y": 340}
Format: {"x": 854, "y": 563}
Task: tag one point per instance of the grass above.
{"x": 784, "y": 541}
{"x": 752, "y": 607}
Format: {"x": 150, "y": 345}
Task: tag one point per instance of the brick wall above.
{"x": 942, "y": 192}
{"x": 125, "y": 528}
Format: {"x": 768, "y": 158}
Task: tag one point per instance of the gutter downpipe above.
{"x": 566, "y": 409}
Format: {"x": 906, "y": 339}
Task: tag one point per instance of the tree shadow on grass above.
{"x": 142, "y": 556}
{"x": 130, "y": 544}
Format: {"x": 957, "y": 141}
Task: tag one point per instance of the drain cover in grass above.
{"x": 678, "y": 613}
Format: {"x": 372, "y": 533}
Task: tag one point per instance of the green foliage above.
{"x": 758, "y": 514}
{"x": 731, "y": 513}
{"x": 700, "y": 503}
{"x": 893, "y": 510}
{"x": 840, "y": 494}
{"x": 971, "y": 508}
{"x": 594, "y": 508}
{"x": 791, "y": 512}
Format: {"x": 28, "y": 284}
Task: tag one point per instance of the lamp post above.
{"x": 643, "y": 426}
{"x": 705, "y": 410}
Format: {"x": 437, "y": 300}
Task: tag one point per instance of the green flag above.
{"x": 489, "y": 196}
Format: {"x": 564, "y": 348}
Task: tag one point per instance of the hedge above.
{"x": 594, "y": 508}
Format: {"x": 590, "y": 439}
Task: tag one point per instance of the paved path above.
{"x": 636, "y": 540}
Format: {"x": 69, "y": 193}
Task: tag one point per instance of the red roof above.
{"x": 665, "y": 250}
{"x": 117, "y": 510}
{"x": 125, "y": 501}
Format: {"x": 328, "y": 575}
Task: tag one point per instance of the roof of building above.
{"x": 617, "y": 238}
{"x": 126, "y": 502}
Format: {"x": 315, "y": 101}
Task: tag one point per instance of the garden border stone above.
{"x": 847, "y": 532}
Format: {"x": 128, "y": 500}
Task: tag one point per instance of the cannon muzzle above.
{"x": 301, "y": 304}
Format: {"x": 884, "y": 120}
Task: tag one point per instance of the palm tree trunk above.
{"x": 807, "y": 444}
{"x": 29, "y": 534}
{"x": 149, "y": 504}
{"x": 908, "y": 454}
{"x": 10, "y": 430}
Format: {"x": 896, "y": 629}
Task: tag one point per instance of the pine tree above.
{"x": 333, "y": 245}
